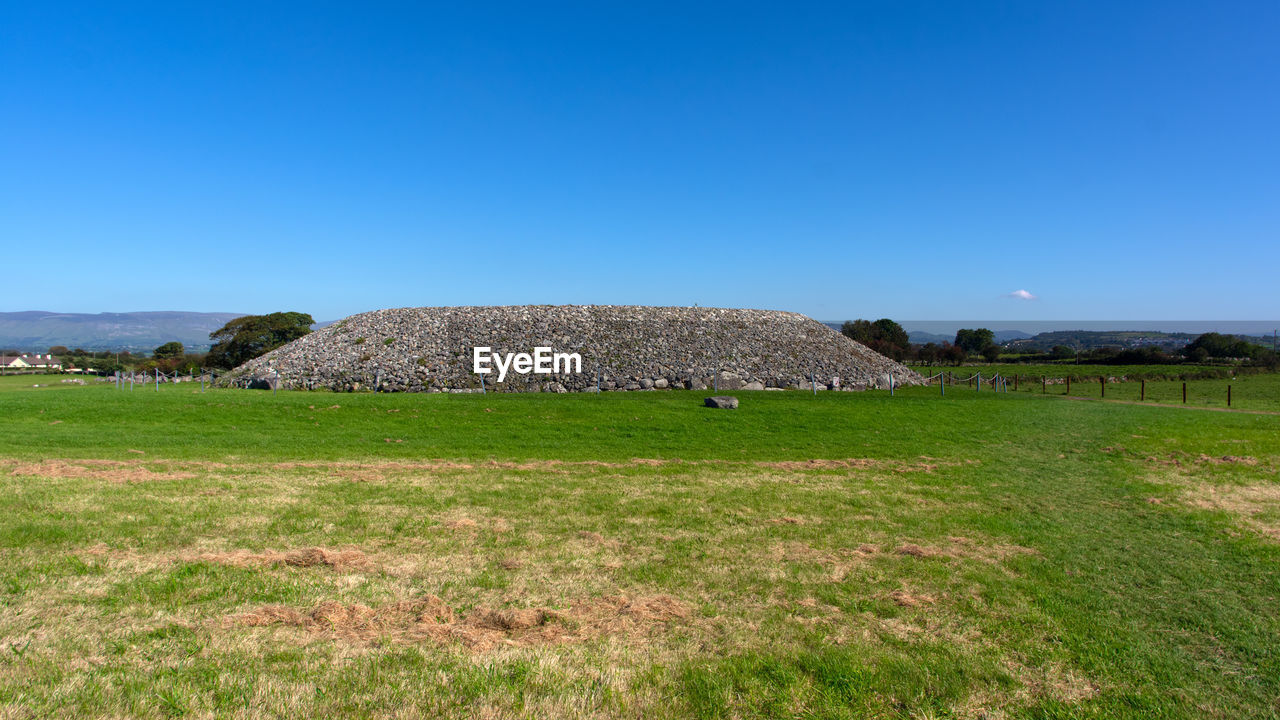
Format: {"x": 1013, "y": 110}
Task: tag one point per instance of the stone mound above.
{"x": 621, "y": 348}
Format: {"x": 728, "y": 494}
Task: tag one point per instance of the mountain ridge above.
{"x": 38, "y": 330}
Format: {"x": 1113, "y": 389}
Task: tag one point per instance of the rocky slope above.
{"x": 625, "y": 347}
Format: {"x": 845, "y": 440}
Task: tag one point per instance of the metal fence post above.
{"x": 978, "y": 386}
{"x": 890, "y": 383}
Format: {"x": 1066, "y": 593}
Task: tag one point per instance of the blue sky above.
{"x": 901, "y": 159}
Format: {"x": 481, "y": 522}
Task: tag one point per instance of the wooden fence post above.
{"x": 1068, "y": 384}
{"x": 1228, "y": 396}
{"x": 1143, "y": 397}
{"x": 1103, "y": 381}
{"x": 1184, "y": 393}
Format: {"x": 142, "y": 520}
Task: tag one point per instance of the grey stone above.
{"x": 724, "y": 402}
{"x": 728, "y": 381}
{"x": 753, "y": 385}
{"x": 264, "y": 382}
{"x": 681, "y": 347}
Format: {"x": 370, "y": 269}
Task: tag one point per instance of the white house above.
{"x": 24, "y": 362}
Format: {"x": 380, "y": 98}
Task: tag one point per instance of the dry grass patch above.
{"x": 482, "y": 629}
{"x": 907, "y": 598}
{"x": 1254, "y": 502}
{"x": 1053, "y": 681}
{"x": 1256, "y": 505}
{"x": 112, "y": 471}
{"x": 305, "y": 557}
{"x": 964, "y": 548}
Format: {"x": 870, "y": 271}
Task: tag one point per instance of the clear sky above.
{"x": 913, "y": 160}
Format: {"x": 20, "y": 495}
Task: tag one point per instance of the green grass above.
{"x": 988, "y": 555}
{"x": 1091, "y": 372}
{"x": 1252, "y": 391}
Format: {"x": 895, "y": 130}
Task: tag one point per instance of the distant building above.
{"x": 29, "y": 362}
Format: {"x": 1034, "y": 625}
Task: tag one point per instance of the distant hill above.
{"x": 1002, "y": 336}
{"x": 1090, "y": 340}
{"x": 920, "y": 337}
{"x": 38, "y": 331}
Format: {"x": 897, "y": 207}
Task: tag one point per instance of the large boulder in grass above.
{"x": 724, "y": 402}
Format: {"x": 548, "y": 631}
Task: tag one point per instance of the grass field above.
{"x": 235, "y": 553}
{"x": 1248, "y": 391}
{"x": 1091, "y": 372}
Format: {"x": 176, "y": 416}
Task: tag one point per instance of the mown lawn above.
{"x": 235, "y": 553}
{"x": 1249, "y": 391}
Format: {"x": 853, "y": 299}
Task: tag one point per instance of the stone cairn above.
{"x": 622, "y": 348}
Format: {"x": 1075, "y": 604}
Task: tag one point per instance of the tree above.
{"x": 251, "y": 336}
{"x": 884, "y": 336}
{"x": 891, "y": 332}
{"x": 953, "y": 354}
{"x": 170, "y": 350}
{"x": 1062, "y": 352}
{"x": 991, "y": 352}
{"x": 59, "y": 350}
{"x": 1217, "y": 345}
{"x": 929, "y": 353}
{"x": 975, "y": 340}
{"x": 858, "y": 331}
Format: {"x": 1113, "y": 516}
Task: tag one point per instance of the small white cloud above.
{"x": 1021, "y": 295}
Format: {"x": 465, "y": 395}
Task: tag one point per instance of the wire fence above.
{"x": 132, "y": 379}
{"x": 1001, "y": 383}
{"x": 944, "y": 379}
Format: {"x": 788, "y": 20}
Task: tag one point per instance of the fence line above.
{"x": 1000, "y": 383}
{"x": 997, "y": 382}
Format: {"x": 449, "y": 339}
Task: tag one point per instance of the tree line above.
{"x": 979, "y": 344}
{"x": 250, "y": 336}
{"x": 235, "y": 343}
